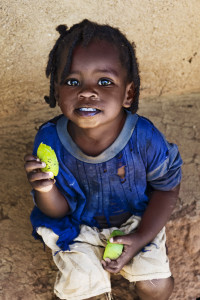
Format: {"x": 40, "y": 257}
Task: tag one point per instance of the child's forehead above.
{"x": 101, "y": 44}
{"x": 96, "y": 48}
{"x": 96, "y": 51}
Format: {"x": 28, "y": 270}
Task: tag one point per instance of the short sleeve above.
{"x": 163, "y": 163}
{"x": 46, "y": 135}
{"x": 65, "y": 180}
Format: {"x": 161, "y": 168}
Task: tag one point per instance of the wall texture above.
{"x": 166, "y": 33}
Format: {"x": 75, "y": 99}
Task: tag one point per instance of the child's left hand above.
{"x": 158, "y": 211}
{"x": 131, "y": 248}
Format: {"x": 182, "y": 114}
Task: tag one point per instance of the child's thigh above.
{"x": 80, "y": 272}
{"x": 150, "y": 263}
{"x": 80, "y": 260}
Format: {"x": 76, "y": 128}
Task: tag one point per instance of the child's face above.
{"x": 96, "y": 90}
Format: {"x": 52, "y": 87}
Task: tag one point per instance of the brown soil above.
{"x": 27, "y": 272}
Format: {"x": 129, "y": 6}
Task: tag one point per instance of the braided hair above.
{"x": 83, "y": 33}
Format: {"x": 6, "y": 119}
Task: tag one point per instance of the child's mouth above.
{"x": 87, "y": 111}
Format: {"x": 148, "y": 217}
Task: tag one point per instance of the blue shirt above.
{"x": 96, "y": 194}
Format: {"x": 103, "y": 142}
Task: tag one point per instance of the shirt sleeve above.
{"x": 65, "y": 180}
{"x": 163, "y": 163}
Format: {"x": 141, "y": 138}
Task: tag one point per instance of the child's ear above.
{"x": 129, "y": 95}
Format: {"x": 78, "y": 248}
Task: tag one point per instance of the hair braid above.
{"x": 135, "y": 76}
{"x": 51, "y": 65}
{"x": 69, "y": 58}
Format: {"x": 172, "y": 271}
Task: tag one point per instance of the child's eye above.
{"x": 72, "y": 82}
{"x": 105, "y": 82}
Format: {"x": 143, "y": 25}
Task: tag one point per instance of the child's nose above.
{"x": 87, "y": 92}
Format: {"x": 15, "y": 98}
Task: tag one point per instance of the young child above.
{"x": 116, "y": 170}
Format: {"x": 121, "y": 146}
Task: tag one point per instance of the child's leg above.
{"x": 155, "y": 289}
{"x": 80, "y": 275}
{"x": 150, "y": 263}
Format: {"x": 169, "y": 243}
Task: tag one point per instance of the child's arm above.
{"x": 47, "y": 197}
{"x": 160, "y": 207}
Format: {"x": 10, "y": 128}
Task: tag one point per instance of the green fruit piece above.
{"x": 47, "y": 154}
{"x": 113, "y": 251}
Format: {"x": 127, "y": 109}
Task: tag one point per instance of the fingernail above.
{"x": 107, "y": 259}
{"x": 50, "y": 174}
{"x": 111, "y": 240}
{"x": 43, "y": 164}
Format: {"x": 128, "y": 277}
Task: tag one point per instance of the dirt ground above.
{"x": 27, "y": 271}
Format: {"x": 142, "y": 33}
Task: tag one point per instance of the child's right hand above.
{"x": 40, "y": 181}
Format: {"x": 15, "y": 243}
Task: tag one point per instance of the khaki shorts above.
{"x": 81, "y": 274}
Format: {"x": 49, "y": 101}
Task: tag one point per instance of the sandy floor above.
{"x": 27, "y": 272}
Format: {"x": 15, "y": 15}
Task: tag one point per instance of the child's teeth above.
{"x": 87, "y": 109}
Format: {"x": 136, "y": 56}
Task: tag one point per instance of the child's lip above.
{"x": 87, "y": 107}
{"x": 87, "y": 111}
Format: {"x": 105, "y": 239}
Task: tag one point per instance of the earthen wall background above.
{"x": 166, "y": 34}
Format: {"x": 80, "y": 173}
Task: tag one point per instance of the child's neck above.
{"x": 94, "y": 141}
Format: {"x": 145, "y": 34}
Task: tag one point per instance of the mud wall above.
{"x": 166, "y": 34}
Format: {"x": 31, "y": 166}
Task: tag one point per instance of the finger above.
{"x": 125, "y": 240}
{"x": 30, "y": 166}
{"x": 108, "y": 260}
{"x": 108, "y": 267}
{"x": 103, "y": 263}
{"x": 38, "y": 176}
{"x": 112, "y": 264}
{"x": 30, "y": 157}
{"x": 43, "y": 185}
{"x": 112, "y": 269}
{"x": 124, "y": 258}
{"x": 120, "y": 261}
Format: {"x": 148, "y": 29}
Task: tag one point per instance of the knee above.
{"x": 156, "y": 289}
